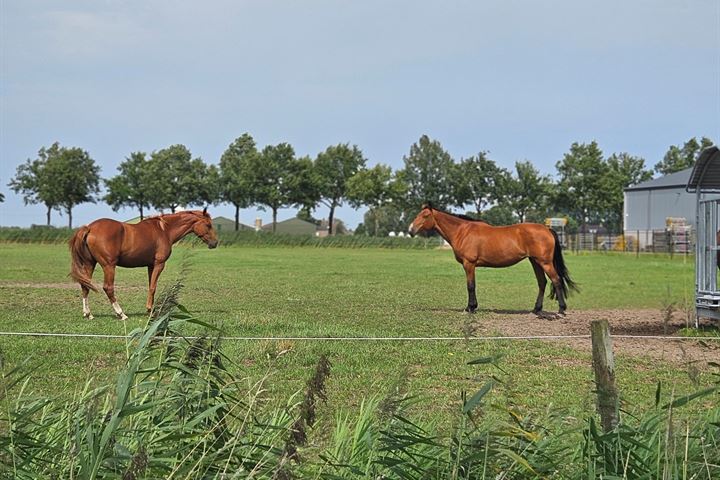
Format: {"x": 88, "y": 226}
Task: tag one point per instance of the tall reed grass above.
{"x": 370, "y": 445}
{"x": 178, "y": 409}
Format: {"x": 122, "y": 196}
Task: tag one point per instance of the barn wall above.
{"x": 648, "y": 209}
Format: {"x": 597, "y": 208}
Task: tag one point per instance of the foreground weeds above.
{"x": 177, "y": 410}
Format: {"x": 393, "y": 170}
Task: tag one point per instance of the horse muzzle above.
{"x": 212, "y": 244}
{"x": 411, "y": 231}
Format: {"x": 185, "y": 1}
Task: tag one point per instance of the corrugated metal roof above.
{"x": 706, "y": 173}
{"x": 673, "y": 180}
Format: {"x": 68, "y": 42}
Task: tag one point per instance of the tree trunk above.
{"x": 274, "y": 218}
{"x": 69, "y": 212}
{"x": 377, "y": 224}
{"x": 172, "y": 208}
{"x": 141, "y": 213}
{"x": 331, "y": 218}
{"x": 48, "y": 214}
{"x": 237, "y": 217}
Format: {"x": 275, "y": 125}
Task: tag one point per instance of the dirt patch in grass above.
{"x": 637, "y": 323}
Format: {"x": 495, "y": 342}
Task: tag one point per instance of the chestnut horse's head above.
{"x": 203, "y": 228}
{"x": 424, "y": 222}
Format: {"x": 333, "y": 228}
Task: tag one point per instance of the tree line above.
{"x": 588, "y": 188}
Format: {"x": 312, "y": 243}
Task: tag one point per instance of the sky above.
{"x": 521, "y": 80}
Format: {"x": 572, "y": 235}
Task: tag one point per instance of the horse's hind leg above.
{"x": 542, "y": 282}
{"x": 89, "y": 269}
{"x": 557, "y": 285}
{"x": 109, "y": 287}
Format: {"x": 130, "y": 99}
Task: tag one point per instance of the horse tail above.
{"x": 566, "y": 283}
{"x": 80, "y": 254}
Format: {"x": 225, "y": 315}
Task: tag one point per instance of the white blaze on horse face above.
{"x": 119, "y": 311}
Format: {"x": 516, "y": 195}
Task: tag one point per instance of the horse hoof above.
{"x": 561, "y": 312}
{"x": 537, "y": 310}
{"x": 470, "y": 310}
{"x": 89, "y": 316}
{"x": 123, "y": 317}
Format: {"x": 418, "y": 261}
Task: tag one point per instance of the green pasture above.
{"x": 303, "y": 291}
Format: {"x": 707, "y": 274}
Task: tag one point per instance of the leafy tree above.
{"x": 679, "y": 158}
{"x": 526, "y": 193}
{"x": 303, "y": 184}
{"x": 428, "y": 174}
{"x": 581, "y": 173}
{"x": 498, "y": 215}
{"x": 305, "y": 213}
{"x": 333, "y": 168}
{"x": 31, "y": 180}
{"x": 76, "y": 177}
{"x": 236, "y": 166}
{"x": 132, "y": 186}
{"x": 177, "y": 179}
{"x": 280, "y": 180}
{"x": 382, "y": 220}
{"x": 374, "y": 187}
{"x": 623, "y": 170}
{"x": 477, "y": 181}
{"x": 209, "y": 190}
{"x": 60, "y": 177}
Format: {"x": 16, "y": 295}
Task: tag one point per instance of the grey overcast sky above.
{"x": 519, "y": 79}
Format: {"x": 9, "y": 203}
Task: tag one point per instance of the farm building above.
{"x": 223, "y": 224}
{"x": 658, "y": 206}
{"x": 649, "y": 204}
{"x": 292, "y": 226}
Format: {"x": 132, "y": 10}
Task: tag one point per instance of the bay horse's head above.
{"x": 203, "y": 228}
{"x": 424, "y": 222}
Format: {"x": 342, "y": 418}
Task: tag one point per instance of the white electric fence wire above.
{"x": 365, "y": 339}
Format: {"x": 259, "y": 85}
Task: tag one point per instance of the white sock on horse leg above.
{"x": 119, "y": 311}
{"x": 86, "y": 309}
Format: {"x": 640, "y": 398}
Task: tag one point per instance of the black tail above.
{"x": 559, "y": 263}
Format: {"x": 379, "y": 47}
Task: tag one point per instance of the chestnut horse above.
{"x": 146, "y": 244}
{"x": 478, "y": 244}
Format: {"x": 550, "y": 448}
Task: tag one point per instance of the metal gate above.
{"x": 706, "y": 261}
{"x": 705, "y": 179}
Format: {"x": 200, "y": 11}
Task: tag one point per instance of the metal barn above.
{"x": 649, "y": 205}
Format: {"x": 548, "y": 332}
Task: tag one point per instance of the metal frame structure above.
{"x": 705, "y": 179}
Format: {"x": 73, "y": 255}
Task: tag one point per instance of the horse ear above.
{"x": 427, "y": 205}
{"x": 205, "y": 211}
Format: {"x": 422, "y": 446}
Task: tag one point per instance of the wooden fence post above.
{"x": 604, "y": 367}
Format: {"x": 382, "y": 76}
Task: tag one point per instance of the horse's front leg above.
{"x": 154, "y": 272}
{"x": 109, "y": 287}
{"x": 470, "y": 276}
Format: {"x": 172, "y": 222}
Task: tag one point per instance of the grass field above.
{"x": 277, "y": 291}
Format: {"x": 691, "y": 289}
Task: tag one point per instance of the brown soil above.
{"x": 622, "y": 322}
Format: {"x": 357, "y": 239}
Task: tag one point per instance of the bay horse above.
{"x": 146, "y": 244}
{"x": 478, "y": 244}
